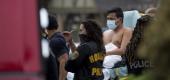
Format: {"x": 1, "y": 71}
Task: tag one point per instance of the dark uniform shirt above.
{"x": 58, "y": 47}
{"x": 88, "y": 66}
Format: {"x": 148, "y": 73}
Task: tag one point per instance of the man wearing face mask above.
{"x": 117, "y": 38}
{"x": 117, "y": 33}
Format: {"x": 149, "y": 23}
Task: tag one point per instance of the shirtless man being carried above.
{"x": 117, "y": 33}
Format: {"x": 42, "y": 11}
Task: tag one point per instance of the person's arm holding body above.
{"x": 125, "y": 40}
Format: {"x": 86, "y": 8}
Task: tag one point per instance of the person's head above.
{"x": 114, "y": 18}
{"x": 137, "y": 37}
{"x": 91, "y": 31}
{"x": 151, "y": 12}
{"x": 52, "y": 26}
{"x": 143, "y": 22}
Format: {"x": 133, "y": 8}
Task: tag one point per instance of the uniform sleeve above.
{"x": 74, "y": 65}
{"x": 58, "y": 47}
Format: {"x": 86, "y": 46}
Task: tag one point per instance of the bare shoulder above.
{"x": 107, "y": 32}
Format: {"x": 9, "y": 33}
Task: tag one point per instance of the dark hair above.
{"x": 118, "y": 11}
{"x": 53, "y": 25}
{"x": 94, "y": 33}
{"x": 137, "y": 38}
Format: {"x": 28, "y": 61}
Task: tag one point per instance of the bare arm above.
{"x": 107, "y": 36}
{"x": 69, "y": 40}
{"x": 62, "y": 72}
{"x": 125, "y": 40}
{"x": 72, "y": 46}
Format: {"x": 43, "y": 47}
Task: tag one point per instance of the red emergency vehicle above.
{"x": 20, "y": 52}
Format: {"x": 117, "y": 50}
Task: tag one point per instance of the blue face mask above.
{"x": 111, "y": 24}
